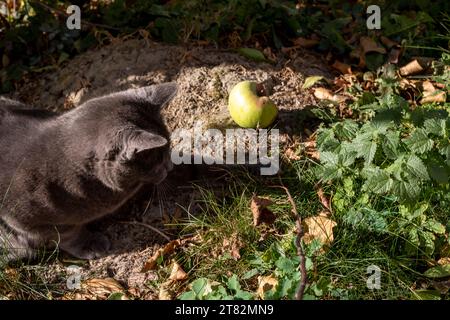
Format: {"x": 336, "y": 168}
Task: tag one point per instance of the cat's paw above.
{"x": 89, "y": 245}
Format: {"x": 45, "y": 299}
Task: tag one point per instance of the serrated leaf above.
{"x": 416, "y": 168}
{"x": 346, "y": 130}
{"x": 438, "y": 173}
{"x": 405, "y": 190}
{"x": 365, "y": 147}
{"x": 329, "y": 158}
{"x": 379, "y": 181}
{"x": 330, "y": 172}
{"x": 435, "y": 126}
{"x": 390, "y": 144}
{"x": 419, "y": 141}
{"x": 438, "y": 272}
{"x": 326, "y": 140}
{"x": 310, "y": 81}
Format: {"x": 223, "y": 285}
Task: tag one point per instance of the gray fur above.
{"x": 59, "y": 172}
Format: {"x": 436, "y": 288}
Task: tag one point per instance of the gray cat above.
{"x": 58, "y": 172}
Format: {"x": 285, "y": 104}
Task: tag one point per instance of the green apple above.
{"x": 248, "y": 109}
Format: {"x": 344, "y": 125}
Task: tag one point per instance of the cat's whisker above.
{"x": 149, "y": 202}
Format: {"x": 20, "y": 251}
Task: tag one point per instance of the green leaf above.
{"x": 390, "y": 144}
{"x": 326, "y": 140}
{"x": 330, "y": 172}
{"x": 329, "y": 158}
{"x": 426, "y": 295}
{"x": 405, "y": 190}
{"x": 438, "y": 173}
{"x": 435, "y": 126}
{"x": 416, "y": 168}
{"x": 116, "y": 296}
{"x": 233, "y": 283}
{"x": 250, "y": 274}
{"x": 438, "y": 272}
{"x": 285, "y": 265}
{"x": 379, "y": 181}
{"x": 419, "y": 141}
{"x": 310, "y": 81}
{"x": 434, "y": 226}
{"x": 252, "y": 54}
{"x": 346, "y": 130}
{"x": 199, "y": 286}
{"x": 189, "y": 295}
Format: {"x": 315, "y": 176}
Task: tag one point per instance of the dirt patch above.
{"x": 204, "y": 76}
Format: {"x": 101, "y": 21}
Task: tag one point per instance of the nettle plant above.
{"x": 391, "y": 172}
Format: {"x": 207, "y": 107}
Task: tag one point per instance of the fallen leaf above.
{"x": 310, "y": 81}
{"x": 311, "y": 149}
{"x": 388, "y": 42}
{"x": 164, "y": 292}
{"x": 169, "y": 248}
{"x": 260, "y": 212}
{"x": 305, "y": 43}
{"x": 319, "y": 227}
{"x": 252, "y": 54}
{"x": 413, "y": 67}
{"x": 323, "y": 199}
{"x": 342, "y": 67}
{"x": 177, "y": 273}
{"x": 431, "y": 94}
{"x": 444, "y": 261}
{"x": 99, "y": 289}
{"x": 234, "y": 245}
{"x": 265, "y": 283}
{"x": 369, "y": 45}
{"x": 325, "y": 94}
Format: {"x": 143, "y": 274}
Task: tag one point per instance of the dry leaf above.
{"x": 369, "y": 45}
{"x": 388, "y": 42}
{"x": 265, "y": 283}
{"x": 260, "y": 212}
{"x": 177, "y": 273}
{"x": 319, "y": 227}
{"x": 166, "y": 250}
{"x": 99, "y": 289}
{"x": 234, "y": 245}
{"x": 411, "y": 68}
{"x": 325, "y": 94}
{"x": 305, "y": 43}
{"x": 431, "y": 94}
{"x": 311, "y": 149}
{"x": 323, "y": 199}
{"x": 444, "y": 261}
{"x": 342, "y": 67}
{"x": 164, "y": 293}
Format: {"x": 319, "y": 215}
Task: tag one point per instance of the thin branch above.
{"x": 298, "y": 242}
{"x": 162, "y": 234}
{"x": 64, "y": 14}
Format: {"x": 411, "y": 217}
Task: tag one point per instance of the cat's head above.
{"x": 129, "y": 141}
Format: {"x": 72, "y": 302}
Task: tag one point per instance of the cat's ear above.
{"x": 160, "y": 94}
{"x": 139, "y": 141}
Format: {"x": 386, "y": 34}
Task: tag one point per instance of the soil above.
{"x": 204, "y": 75}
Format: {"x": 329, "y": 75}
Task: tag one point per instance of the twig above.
{"x": 165, "y": 236}
{"x": 64, "y": 14}
{"x": 298, "y": 242}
